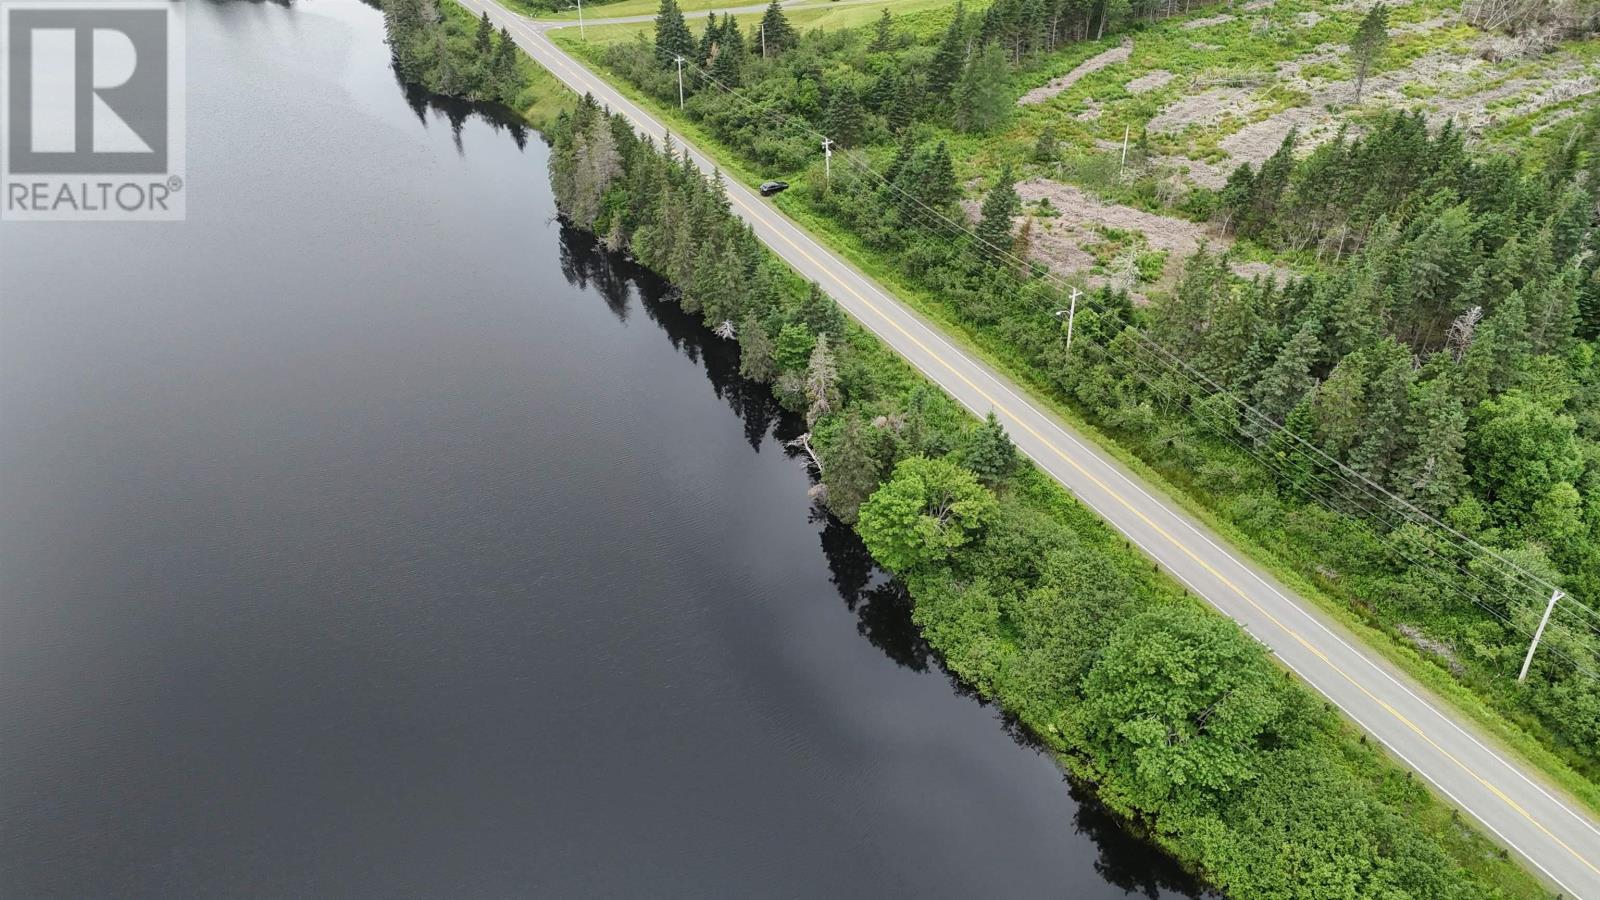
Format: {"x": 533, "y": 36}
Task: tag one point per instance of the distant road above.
{"x": 1509, "y": 800}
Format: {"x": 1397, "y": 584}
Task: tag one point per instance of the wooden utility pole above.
{"x": 1538, "y": 633}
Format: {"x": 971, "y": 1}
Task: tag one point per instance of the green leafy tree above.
{"x": 1519, "y": 451}
{"x": 927, "y": 511}
{"x": 1179, "y": 703}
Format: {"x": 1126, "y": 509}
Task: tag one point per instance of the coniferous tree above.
{"x": 1047, "y": 146}
{"x": 994, "y": 225}
{"x": 989, "y": 453}
{"x": 776, "y": 30}
{"x": 1289, "y": 379}
{"x": 981, "y": 98}
{"x": 904, "y": 105}
{"x": 483, "y": 41}
{"x": 755, "y": 351}
{"x": 1267, "y": 188}
{"x": 1371, "y": 38}
{"x": 1432, "y": 474}
{"x": 507, "y": 76}
{"x": 673, "y": 38}
{"x": 949, "y": 60}
{"x": 844, "y": 116}
{"x": 727, "y": 67}
{"x": 822, "y": 382}
{"x": 852, "y": 471}
{"x": 882, "y": 34}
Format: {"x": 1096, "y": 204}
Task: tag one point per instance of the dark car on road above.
{"x": 768, "y": 188}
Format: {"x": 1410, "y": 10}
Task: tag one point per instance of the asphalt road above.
{"x": 1531, "y": 819}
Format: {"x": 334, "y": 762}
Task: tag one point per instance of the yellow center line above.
{"x": 1176, "y": 543}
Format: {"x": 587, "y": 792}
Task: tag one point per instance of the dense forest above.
{"x": 1413, "y": 425}
{"x": 1026, "y": 595}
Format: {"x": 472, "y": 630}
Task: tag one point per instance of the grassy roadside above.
{"x": 1510, "y": 736}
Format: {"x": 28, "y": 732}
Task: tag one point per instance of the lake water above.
{"x": 369, "y": 535}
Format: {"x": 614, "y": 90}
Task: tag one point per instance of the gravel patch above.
{"x": 1087, "y": 67}
{"x": 1259, "y": 140}
{"x": 1151, "y": 81}
{"x": 1206, "y": 106}
{"x": 1207, "y": 22}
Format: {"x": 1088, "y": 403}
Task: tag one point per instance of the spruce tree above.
{"x": 981, "y": 98}
{"x": 755, "y": 351}
{"x": 776, "y": 30}
{"x": 994, "y": 226}
{"x": 1235, "y": 196}
{"x": 1046, "y": 147}
{"x": 882, "y": 34}
{"x": 1371, "y": 38}
{"x": 853, "y": 470}
{"x": 483, "y": 42}
{"x": 844, "y": 116}
{"x": 987, "y": 450}
{"x": 1432, "y": 473}
{"x": 1289, "y": 378}
{"x": 673, "y": 38}
{"x": 727, "y": 67}
{"x": 1268, "y": 187}
{"x": 949, "y": 60}
{"x": 904, "y": 105}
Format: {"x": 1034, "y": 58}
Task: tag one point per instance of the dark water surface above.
{"x": 369, "y": 536}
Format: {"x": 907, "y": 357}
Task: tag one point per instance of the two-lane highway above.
{"x": 1549, "y": 831}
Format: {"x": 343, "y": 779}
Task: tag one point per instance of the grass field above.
{"x": 804, "y": 16}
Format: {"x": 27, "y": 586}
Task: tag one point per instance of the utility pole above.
{"x": 1126, "y": 130}
{"x": 763, "y": 40}
{"x": 582, "y": 36}
{"x": 1072, "y": 314}
{"x": 1538, "y": 633}
{"x": 827, "y": 159}
{"x": 679, "y": 61}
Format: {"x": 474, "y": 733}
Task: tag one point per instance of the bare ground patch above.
{"x": 1207, "y": 22}
{"x": 1259, "y": 140}
{"x": 1150, "y": 81}
{"x": 1204, "y": 107}
{"x": 1087, "y": 67}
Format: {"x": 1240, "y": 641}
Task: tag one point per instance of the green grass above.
{"x": 1168, "y": 482}
{"x": 805, "y": 16}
